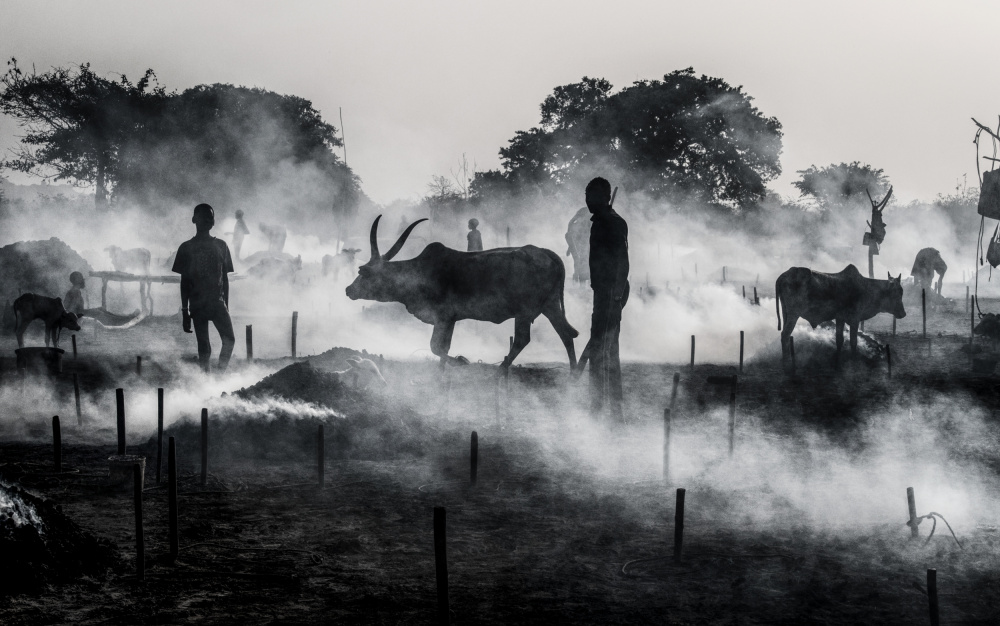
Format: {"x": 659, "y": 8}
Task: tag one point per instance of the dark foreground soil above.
{"x": 551, "y": 532}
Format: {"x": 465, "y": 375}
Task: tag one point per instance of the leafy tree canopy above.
{"x": 839, "y": 184}
{"x": 683, "y": 137}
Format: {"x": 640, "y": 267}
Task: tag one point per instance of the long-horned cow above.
{"x": 441, "y": 286}
{"x": 846, "y": 297}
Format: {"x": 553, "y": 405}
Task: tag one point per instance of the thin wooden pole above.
{"x": 250, "y": 343}
{"x": 140, "y": 548}
{"x": 791, "y": 349}
{"x": 138, "y": 365}
{"x": 932, "y": 597}
{"x": 741, "y": 352}
{"x": 756, "y": 300}
{"x": 966, "y": 298}
{"x": 666, "y": 444}
{"x": 74, "y": 342}
{"x": 723, "y": 274}
{"x": 159, "y": 431}
{"x": 692, "y": 352}
{"x": 321, "y": 456}
{"x": 120, "y": 402}
{"x": 673, "y": 392}
{"x": 508, "y": 236}
{"x": 172, "y": 498}
{"x": 893, "y": 325}
{"x": 441, "y": 565}
{"x": 679, "y": 524}
{"x": 76, "y": 396}
{"x": 295, "y": 329}
{"x": 923, "y": 310}
{"x": 972, "y": 320}
{"x": 56, "y": 443}
{"x": 911, "y": 505}
{"x": 474, "y": 458}
{"x": 888, "y": 358}
{"x": 204, "y": 446}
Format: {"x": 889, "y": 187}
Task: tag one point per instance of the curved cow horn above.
{"x": 402, "y": 239}
{"x": 374, "y": 239}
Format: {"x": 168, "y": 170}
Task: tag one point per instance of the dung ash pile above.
{"x": 40, "y": 545}
{"x": 41, "y": 267}
{"x": 277, "y": 419}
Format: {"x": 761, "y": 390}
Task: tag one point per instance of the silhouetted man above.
{"x": 239, "y": 232}
{"x": 204, "y": 265}
{"x": 609, "y": 280}
{"x": 475, "y": 237}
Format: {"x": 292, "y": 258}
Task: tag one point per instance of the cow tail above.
{"x": 777, "y": 302}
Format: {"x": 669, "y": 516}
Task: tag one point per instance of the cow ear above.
{"x": 899, "y": 278}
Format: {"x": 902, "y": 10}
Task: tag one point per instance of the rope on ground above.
{"x": 933, "y": 517}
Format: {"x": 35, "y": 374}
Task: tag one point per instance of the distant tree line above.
{"x": 138, "y": 143}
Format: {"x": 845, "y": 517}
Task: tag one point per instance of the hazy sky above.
{"x": 889, "y": 83}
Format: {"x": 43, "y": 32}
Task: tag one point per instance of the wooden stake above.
{"x": 204, "y": 446}
{"x": 441, "y": 565}
{"x": 250, "y": 343}
{"x": 732, "y": 422}
{"x": 120, "y": 401}
{"x": 321, "y": 456}
{"x": 295, "y": 329}
{"x": 932, "y": 597}
{"x": 744, "y": 292}
{"x": 74, "y": 340}
{"x": 159, "y": 431}
{"x": 474, "y": 459}
{"x": 56, "y": 443}
{"x": 741, "y": 352}
{"x": 666, "y": 444}
{"x": 692, "y": 352}
{"x": 172, "y": 498}
{"x": 923, "y": 310}
{"x": 138, "y": 366}
{"x": 893, "y": 325}
{"x": 972, "y": 321}
{"x": 756, "y": 300}
{"x": 76, "y": 395}
{"x": 508, "y": 236}
{"x": 679, "y": 524}
{"x": 723, "y": 274}
{"x": 888, "y": 358}
{"x": 911, "y": 504}
{"x": 791, "y": 349}
{"x": 966, "y": 298}
{"x": 140, "y": 548}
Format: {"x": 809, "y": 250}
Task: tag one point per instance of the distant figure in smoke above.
{"x": 239, "y": 232}
{"x": 578, "y": 244}
{"x": 74, "y": 300}
{"x": 927, "y": 262}
{"x": 204, "y": 264}
{"x": 275, "y": 237}
{"x": 609, "y": 280}
{"x": 475, "y": 237}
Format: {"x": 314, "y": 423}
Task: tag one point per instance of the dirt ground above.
{"x": 571, "y": 519}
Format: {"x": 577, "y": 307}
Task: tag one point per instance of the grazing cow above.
{"x": 30, "y": 307}
{"x": 343, "y": 261}
{"x": 846, "y": 297}
{"x": 441, "y": 286}
{"x": 578, "y": 244}
{"x": 927, "y": 262}
{"x": 134, "y": 261}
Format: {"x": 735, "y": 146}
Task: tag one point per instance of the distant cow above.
{"x": 927, "y": 262}
{"x": 279, "y": 268}
{"x": 367, "y": 372}
{"x": 846, "y": 297}
{"x": 578, "y": 244}
{"x": 134, "y": 261}
{"x": 441, "y": 286}
{"x": 30, "y": 307}
{"x": 343, "y": 261}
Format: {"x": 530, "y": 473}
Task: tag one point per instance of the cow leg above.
{"x": 441, "y": 343}
{"x": 56, "y": 333}
{"x": 22, "y": 326}
{"x": 522, "y": 335}
{"x": 854, "y": 340}
{"x": 557, "y": 318}
{"x": 786, "y": 332}
{"x": 840, "y": 339}
{"x": 48, "y": 334}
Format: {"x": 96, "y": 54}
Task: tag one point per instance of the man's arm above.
{"x": 621, "y": 263}
{"x": 185, "y": 302}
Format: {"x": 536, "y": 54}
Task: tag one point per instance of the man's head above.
{"x": 76, "y": 279}
{"x": 204, "y": 217}
{"x": 598, "y": 194}
{"x": 239, "y": 214}
{"x": 473, "y": 224}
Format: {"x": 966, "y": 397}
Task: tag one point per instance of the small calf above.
{"x": 30, "y": 307}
